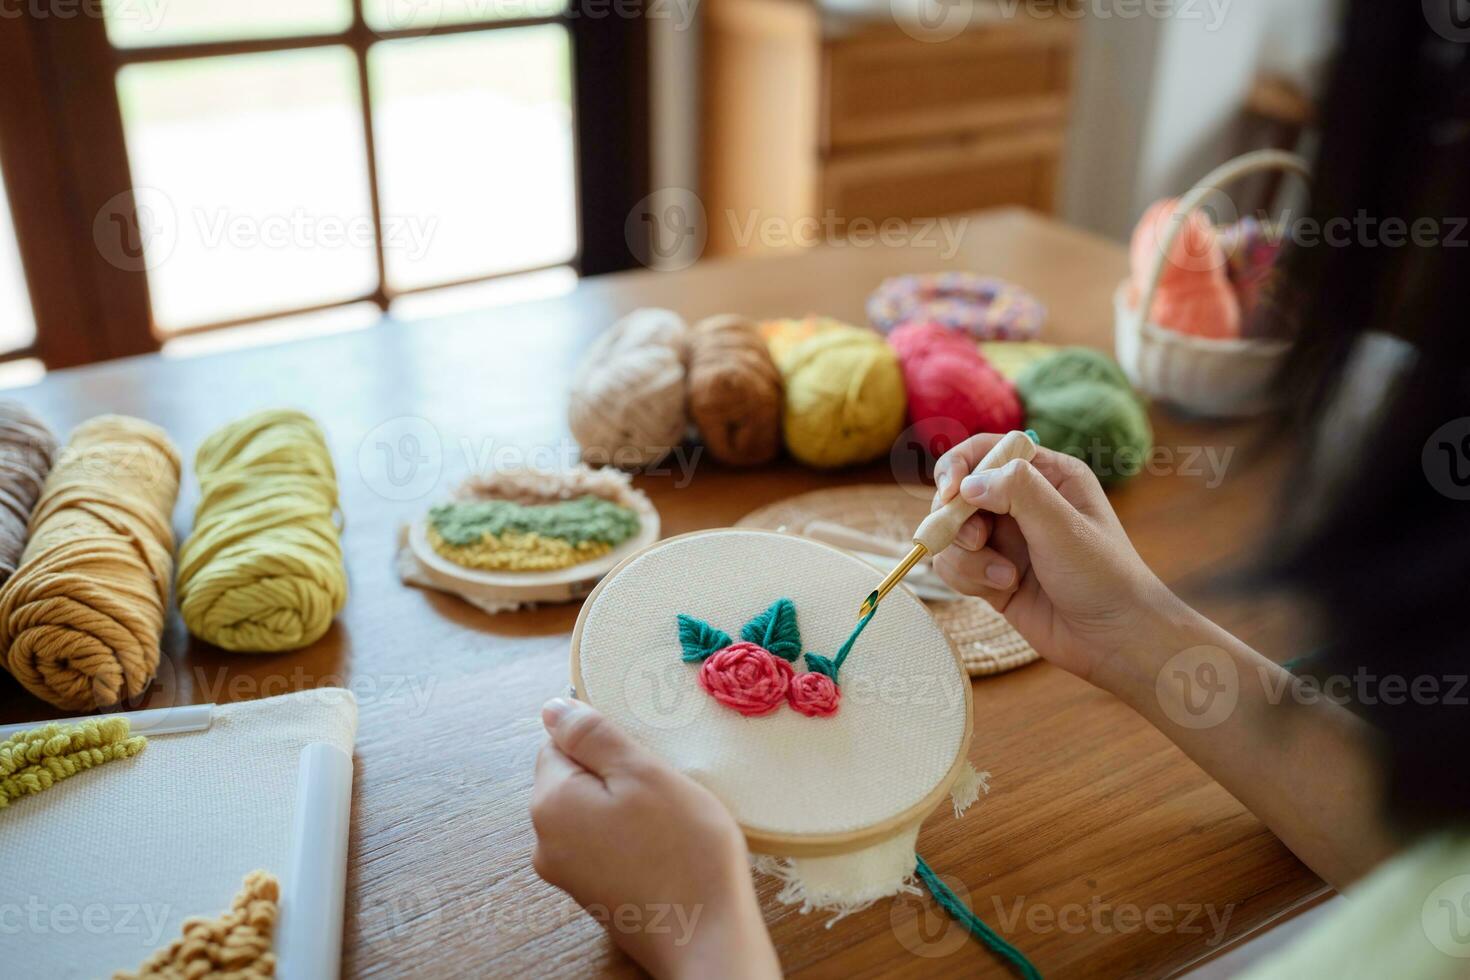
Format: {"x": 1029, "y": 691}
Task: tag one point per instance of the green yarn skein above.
{"x": 1079, "y": 403}
{"x": 1068, "y": 366}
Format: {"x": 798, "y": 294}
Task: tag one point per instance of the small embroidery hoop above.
{"x": 803, "y": 845}
{"x": 557, "y": 585}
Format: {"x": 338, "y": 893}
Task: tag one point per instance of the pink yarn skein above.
{"x": 1194, "y": 294}
{"x": 949, "y": 382}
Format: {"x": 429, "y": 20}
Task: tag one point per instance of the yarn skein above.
{"x": 1079, "y": 402}
{"x": 734, "y": 391}
{"x": 1194, "y": 294}
{"x": 627, "y": 404}
{"x": 262, "y": 570}
{"x": 845, "y": 397}
{"x": 953, "y": 392}
{"x": 27, "y": 450}
{"x": 80, "y": 619}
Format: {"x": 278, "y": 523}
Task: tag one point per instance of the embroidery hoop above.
{"x": 804, "y": 844}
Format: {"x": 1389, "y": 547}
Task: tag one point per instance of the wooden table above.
{"x": 1100, "y": 851}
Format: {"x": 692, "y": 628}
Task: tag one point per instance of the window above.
{"x": 17, "y": 324}
{"x": 249, "y": 163}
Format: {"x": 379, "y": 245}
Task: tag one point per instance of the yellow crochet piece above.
{"x": 35, "y": 760}
{"x": 235, "y": 946}
{"x": 262, "y": 571}
{"x": 516, "y": 551}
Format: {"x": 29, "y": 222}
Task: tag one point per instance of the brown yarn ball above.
{"x": 27, "y": 450}
{"x": 734, "y": 391}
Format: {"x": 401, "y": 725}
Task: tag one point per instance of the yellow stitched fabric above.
{"x": 262, "y": 570}
{"x": 234, "y": 946}
{"x": 515, "y": 551}
{"x": 35, "y": 760}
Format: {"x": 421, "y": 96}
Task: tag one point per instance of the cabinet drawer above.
{"x": 887, "y": 89}
{"x": 927, "y": 182}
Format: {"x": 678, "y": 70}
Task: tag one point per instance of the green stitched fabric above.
{"x": 586, "y": 518}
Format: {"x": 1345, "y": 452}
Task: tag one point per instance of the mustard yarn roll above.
{"x": 262, "y": 570}
{"x": 80, "y": 619}
{"x": 27, "y": 450}
{"x": 845, "y": 397}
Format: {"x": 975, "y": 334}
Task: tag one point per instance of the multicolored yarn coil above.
{"x": 984, "y": 307}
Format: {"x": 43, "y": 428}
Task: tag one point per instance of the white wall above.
{"x": 1157, "y": 100}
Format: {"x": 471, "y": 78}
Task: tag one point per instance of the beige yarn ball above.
{"x": 627, "y": 405}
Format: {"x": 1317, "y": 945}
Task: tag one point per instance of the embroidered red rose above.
{"x": 814, "y": 694}
{"x": 746, "y": 677}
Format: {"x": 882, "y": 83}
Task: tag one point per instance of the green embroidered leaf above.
{"x": 699, "y": 639}
{"x": 819, "y": 664}
{"x": 775, "y": 629}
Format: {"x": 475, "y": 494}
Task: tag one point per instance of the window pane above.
{"x": 397, "y": 15}
{"x": 252, "y": 170}
{"x": 146, "y": 23}
{"x": 474, "y": 140}
{"x": 17, "y": 324}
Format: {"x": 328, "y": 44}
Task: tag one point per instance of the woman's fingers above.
{"x": 973, "y": 534}
{"x": 984, "y": 573}
{"x": 1020, "y": 490}
{"x": 584, "y": 736}
{"x": 1060, "y": 470}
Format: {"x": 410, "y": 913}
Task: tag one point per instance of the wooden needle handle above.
{"x": 938, "y": 529}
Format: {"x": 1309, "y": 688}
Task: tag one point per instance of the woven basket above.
{"x": 986, "y": 642}
{"x": 1203, "y": 375}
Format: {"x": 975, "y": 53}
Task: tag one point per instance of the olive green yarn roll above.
{"x": 262, "y": 570}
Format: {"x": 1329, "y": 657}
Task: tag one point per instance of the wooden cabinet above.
{"x": 812, "y": 115}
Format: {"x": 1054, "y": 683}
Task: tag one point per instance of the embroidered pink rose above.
{"x": 814, "y": 694}
{"x": 747, "y": 678}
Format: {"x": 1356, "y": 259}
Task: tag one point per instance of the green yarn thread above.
{"x": 958, "y": 911}
{"x": 1079, "y": 403}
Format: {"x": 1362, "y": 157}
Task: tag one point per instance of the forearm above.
{"x": 1301, "y": 763}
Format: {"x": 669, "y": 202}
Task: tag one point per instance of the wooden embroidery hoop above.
{"x": 810, "y": 845}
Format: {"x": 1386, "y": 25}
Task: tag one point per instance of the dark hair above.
{"x": 1380, "y": 547}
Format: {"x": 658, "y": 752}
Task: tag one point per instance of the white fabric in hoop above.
{"x": 892, "y": 742}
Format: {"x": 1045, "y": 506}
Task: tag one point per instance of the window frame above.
{"x": 61, "y": 76}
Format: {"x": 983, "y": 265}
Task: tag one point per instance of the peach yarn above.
{"x": 80, "y": 619}
{"x": 1194, "y": 294}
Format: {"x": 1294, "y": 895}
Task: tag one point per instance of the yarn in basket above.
{"x": 844, "y": 396}
{"x": 949, "y": 382}
{"x": 627, "y": 404}
{"x": 734, "y": 391}
{"x": 1078, "y": 403}
{"x": 1194, "y": 294}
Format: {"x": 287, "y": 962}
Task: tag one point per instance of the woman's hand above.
{"x": 647, "y": 851}
{"x": 1047, "y": 551}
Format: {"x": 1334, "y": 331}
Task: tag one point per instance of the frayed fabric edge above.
{"x": 848, "y": 883}
{"x": 968, "y": 788}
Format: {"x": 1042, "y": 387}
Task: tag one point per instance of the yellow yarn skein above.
{"x": 845, "y": 398}
{"x": 262, "y": 570}
{"x": 80, "y": 619}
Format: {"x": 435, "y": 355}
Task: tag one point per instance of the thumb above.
{"x": 584, "y": 735}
